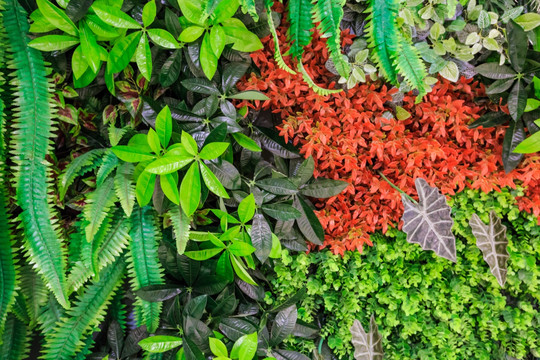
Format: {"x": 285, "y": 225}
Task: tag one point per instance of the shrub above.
{"x": 427, "y": 307}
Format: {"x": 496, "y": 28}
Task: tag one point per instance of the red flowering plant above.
{"x": 353, "y": 136}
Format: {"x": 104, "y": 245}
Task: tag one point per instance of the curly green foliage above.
{"x": 14, "y": 344}
{"x": 328, "y": 14}
{"x": 300, "y": 27}
{"x": 89, "y": 311}
{"x": 426, "y": 307}
{"x": 144, "y": 267}
{"x": 409, "y": 64}
{"x": 30, "y": 141}
{"x": 383, "y": 35}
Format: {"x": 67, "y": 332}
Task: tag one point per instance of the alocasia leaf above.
{"x": 367, "y": 346}
{"x": 428, "y": 223}
{"x": 491, "y": 240}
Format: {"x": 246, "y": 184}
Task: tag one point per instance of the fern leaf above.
{"x": 19, "y": 308}
{"x": 144, "y": 264}
{"x": 109, "y": 163}
{"x": 300, "y": 27}
{"x": 328, "y": 14}
{"x": 15, "y": 340}
{"x": 78, "y": 167}
{"x": 181, "y": 224}
{"x": 98, "y": 204}
{"x": 88, "y": 344}
{"x": 382, "y": 34}
{"x": 248, "y": 7}
{"x": 278, "y": 57}
{"x": 30, "y": 137}
{"x": 34, "y": 291}
{"x": 409, "y": 64}
{"x": 316, "y": 88}
{"x": 88, "y": 312}
{"x": 89, "y": 250}
{"x": 50, "y": 315}
{"x": 125, "y": 187}
{"x": 111, "y": 248}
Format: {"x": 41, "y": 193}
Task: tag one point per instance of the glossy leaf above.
{"x": 495, "y": 71}
{"x": 324, "y": 188}
{"x": 246, "y": 209}
{"x": 160, "y": 343}
{"x": 189, "y": 143}
{"x": 113, "y": 16}
{"x": 158, "y": 293}
{"x": 170, "y": 71}
{"x": 529, "y": 145}
{"x": 208, "y": 58}
{"x": 240, "y": 248}
{"x": 517, "y": 100}
{"x": 212, "y": 182}
{"x": 130, "y": 153}
{"x": 201, "y": 255}
{"x": 246, "y": 142}
{"x": 367, "y": 346}
{"x": 308, "y": 223}
{"x": 213, "y": 150}
{"x": 490, "y": 119}
{"x": 241, "y": 271}
{"x": 249, "y": 95}
{"x": 57, "y": 17}
{"x": 190, "y": 190}
{"x": 282, "y": 212}
{"x": 428, "y": 222}
{"x": 145, "y": 187}
{"x": 163, "y": 38}
{"x": 191, "y": 33}
{"x": 53, "y": 42}
{"x": 149, "y": 13}
{"x": 218, "y": 347}
{"x": 169, "y": 186}
{"x": 245, "y": 347}
{"x": 143, "y": 57}
{"x": 515, "y": 134}
{"x": 278, "y": 186}
{"x": 283, "y": 325}
{"x": 168, "y": 164}
{"x": 164, "y": 126}
{"x": 123, "y": 51}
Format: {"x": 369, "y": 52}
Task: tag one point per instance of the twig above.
{"x": 395, "y": 187}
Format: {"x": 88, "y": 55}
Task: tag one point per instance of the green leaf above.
{"x": 53, "y": 42}
{"x": 491, "y": 119}
{"x": 515, "y": 134}
{"x": 208, "y": 59}
{"x": 212, "y": 182}
{"x": 123, "y": 51}
{"x": 98, "y": 204}
{"x": 153, "y": 141}
{"x": 149, "y": 13}
{"x": 518, "y": 44}
{"x": 216, "y": 241}
{"x": 143, "y": 57}
{"x": 190, "y": 190}
{"x": 169, "y": 185}
{"x": 164, "y": 126}
{"x": 517, "y": 100}
{"x": 90, "y": 47}
{"x": 202, "y": 86}
{"x": 246, "y": 142}
{"x": 528, "y": 21}
{"x": 240, "y": 248}
{"x": 171, "y": 69}
{"x": 160, "y": 343}
{"x": 201, "y": 255}
{"x": 130, "y": 153}
{"x": 324, "y": 188}
{"x": 246, "y": 209}
{"x": 261, "y": 237}
{"x": 191, "y": 34}
{"x": 78, "y": 62}
{"x": 283, "y": 325}
{"x": 124, "y": 187}
{"x": 278, "y": 186}
{"x": 495, "y": 71}
{"x": 145, "y": 187}
{"x": 189, "y": 143}
{"x": 245, "y": 347}
{"x": 224, "y": 267}
{"x": 450, "y": 71}
{"x": 218, "y": 39}
{"x": 57, "y": 17}
{"x": 113, "y": 16}
{"x": 241, "y": 271}
{"x": 77, "y": 9}
{"x": 308, "y": 223}
{"x": 499, "y": 86}
{"x": 243, "y": 39}
{"x": 213, "y": 150}
{"x": 281, "y": 212}
{"x": 181, "y": 224}
{"x": 163, "y": 38}
{"x": 249, "y": 95}
{"x": 218, "y": 347}
{"x": 529, "y": 145}
{"x": 168, "y": 164}
{"x": 225, "y": 10}
{"x": 192, "y": 10}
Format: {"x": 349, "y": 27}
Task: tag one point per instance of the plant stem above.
{"x": 395, "y": 187}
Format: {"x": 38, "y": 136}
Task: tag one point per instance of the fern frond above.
{"x": 144, "y": 267}
{"x": 30, "y": 137}
{"x": 112, "y": 246}
{"x": 15, "y": 340}
{"x": 109, "y": 163}
{"x": 88, "y": 312}
{"x": 75, "y": 241}
{"x": 316, "y": 88}
{"x": 97, "y": 206}
{"x": 88, "y": 344}
{"x": 125, "y": 187}
{"x": 409, "y": 64}
{"x": 34, "y": 291}
{"x": 19, "y": 308}
{"x": 382, "y": 32}
{"x": 181, "y": 224}
{"x": 278, "y": 57}
{"x": 301, "y": 24}
{"x": 50, "y": 315}
{"x": 248, "y": 7}
{"x": 328, "y": 14}
{"x": 89, "y": 250}
{"x": 78, "y": 167}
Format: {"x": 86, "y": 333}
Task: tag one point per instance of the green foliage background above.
{"x": 425, "y": 306}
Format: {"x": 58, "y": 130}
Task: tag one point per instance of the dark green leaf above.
{"x": 491, "y": 119}
{"x": 518, "y": 43}
{"x": 212, "y": 182}
{"x": 232, "y": 73}
{"x": 76, "y": 9}
{"x": 156, "y": 293}
{"x": 324, "y": 188}
{"x": 281, "y": 211}
{"x": 115, "y": 338}
{"x": 515, "y": 134}
{"x": 277, "y": 186}
{"x": 517, "y": 100}
{"x": 261, "y": 237}
{"x": 308, "y": 223}
{"x": 227, "y": 174}
{"x": 195, "y": 307}
{"x": 283, "y": 325}
{"x": 499, "y": 86}
{"x": 255, "y": 292}
{"x": 235, "y": 328}
{"x": 198, "y": 332}
{"x": 495, "y": 71}
{"x": 280, "y": 354}
{"x": 200, "y": 85}
{"x": 170, "y": 71}
{"x": 191, "y": 351}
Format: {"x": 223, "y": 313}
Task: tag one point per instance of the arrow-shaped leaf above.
{"x": 491, "y": 240}
{"x": 367, "y": 346}
{"x": 428, "y": 223}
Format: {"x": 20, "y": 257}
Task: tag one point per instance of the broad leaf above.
{"x": 157, "y": 293}
{"x": 495, "y": 71}
{"x": 308, "y": 223}
{"x": 261, "y": 237}
{"x": 324, "y": 188}
{"x": 160, "y": 343}
{"x": 190, "y": 190}
{"x": 114, "y": 16}
{"x": 278, "y": 186}
{"x": 514, "y": 135}
{"x": 283, "y": 325}
{"x": 281, "y": 211}
{"x": 367, "y": 346}
{"x": 491, "y": 240}
{"x": 428, "y": 223}
{"x": 490, "y": 119}
{"x": 517, "y": 100}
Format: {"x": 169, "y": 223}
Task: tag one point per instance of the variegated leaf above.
{"x": 367, "y": 346}
{"x": 491, "y": 240}
{"x": 428, "y": 223}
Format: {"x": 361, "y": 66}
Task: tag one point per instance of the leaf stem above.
{"x": 395, "y": 187}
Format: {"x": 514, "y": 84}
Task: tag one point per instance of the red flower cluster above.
{"x": 352, "y": 138}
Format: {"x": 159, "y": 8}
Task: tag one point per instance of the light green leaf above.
{"x": 245, "y": 347}
{"x": 164, "y": 126}
{"x": 201, "y": 255}
{"x": 169, "y": 185}
{"x": 53, "y": 42}
{"x": 240, "y": 248}
{"x": 529, "y": 145}
{"x": 153, "y": 141}
{"x": 246, "y": 142}
{"x": 450, "y": 71}
{"x": 130, "y": 153}
{"x": 218, "y": 39}
{"x": 212, "y": 182}
{"x": 246, "y": 209}
{"x": 241, "y": 271}
{"x": 190, "y": 190}
{"x": 123, "y": 51}
{"x": 145, "y": 187}
{"x": 192, "y": 10}
{"x": 143, "y": 57}
{"x": 90, "y": 47}
{"x": 528, "y": 21}
{"x": 160, "y": 343}
{"x": 113, "y": 16}
{"x": 218, "y": 348}
{"x": 168, "y": 164}
{"x": 208, "y": 58}
{"x": 190, "y": 145}
{"x": 249, "y": 95}
{"x": 191, "y": 34}
{"x": 149, "y": 13}
{"x": 78, "y": 63}
{"x": 163, "y": 38}
{"x": 57, "y": 17}
{"x": 213, "y": 150}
